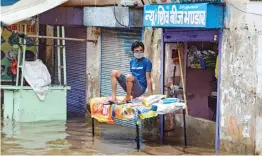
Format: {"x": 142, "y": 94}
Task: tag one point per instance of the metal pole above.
{"x": 182, "y": 75}
{"x": 137, "y": 137}
{"x": 58, "y": 55}
{"x": 64, "y": 55}
{"x": 93, "y": 127}
{"x": 184, "y": 121}
{"x": 162, "y": 68}
{"x": 23, "y": 61}
{"x": 62, "y": 38}
{"x": 220, "y": 51}
{"x": 18, "y": 62}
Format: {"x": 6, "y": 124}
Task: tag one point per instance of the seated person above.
{"x": 134, "y": 84}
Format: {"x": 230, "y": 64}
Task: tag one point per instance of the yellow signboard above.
{"x": 9, "y": 50}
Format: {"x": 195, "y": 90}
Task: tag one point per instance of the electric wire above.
{"x": 252, "y": 13}
{"x": 116, "y": 17}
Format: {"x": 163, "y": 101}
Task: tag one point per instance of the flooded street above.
{"x": 75, "y": 137}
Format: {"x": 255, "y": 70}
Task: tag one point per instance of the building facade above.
{"x": 239, "y": 95}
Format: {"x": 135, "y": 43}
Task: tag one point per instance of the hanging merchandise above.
{"x": 175, "y": 55}
{"x": 14, "y": 66}
{"x": 211, "y": 61}
{"x": 216, "y": 70}
{"x": 205, "y": 59}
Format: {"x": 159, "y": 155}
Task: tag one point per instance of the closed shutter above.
{"x": 76, "y": 71}
{"x": 116, "y": 55}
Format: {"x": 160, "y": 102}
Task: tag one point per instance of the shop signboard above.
{"x": 197, "y": 15}
{"x": 9, "y": 50}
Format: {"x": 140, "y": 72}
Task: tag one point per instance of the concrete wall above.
{"x": 62, "y": 16}
{"x": 125, "y": 17}
{"x": 152, "y": 41}
{"x": 241, "y": 78}
{"x": 93, "y": 63}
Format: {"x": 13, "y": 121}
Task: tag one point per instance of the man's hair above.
{"x": 137, "y": 44}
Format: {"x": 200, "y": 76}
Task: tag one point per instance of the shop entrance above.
{"x": 198, "y": 51}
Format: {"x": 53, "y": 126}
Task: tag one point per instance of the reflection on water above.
{"x": 75, "y": 137}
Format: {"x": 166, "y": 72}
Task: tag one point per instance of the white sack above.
{"x": 169, "y": 108}
{"x": 38, "y": 77}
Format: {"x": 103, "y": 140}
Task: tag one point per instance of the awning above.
{"x": 25, "y": 9}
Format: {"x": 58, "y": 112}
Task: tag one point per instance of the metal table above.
{"x": 162, "y": 129}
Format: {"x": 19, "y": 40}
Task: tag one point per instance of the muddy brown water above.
{"x": 74, "y": 136}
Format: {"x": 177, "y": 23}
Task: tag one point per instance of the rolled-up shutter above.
{"x": 116, "y": 55}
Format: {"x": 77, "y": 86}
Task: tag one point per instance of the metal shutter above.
{"x": 116, "y": 55}
{"x": 76, "y": 71}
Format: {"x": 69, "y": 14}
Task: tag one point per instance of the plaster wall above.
{"x": 241, "y": 78}
{"x": 93, "y": 63}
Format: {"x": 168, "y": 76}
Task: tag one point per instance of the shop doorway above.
{"x": 198, "y": 50}
{"x": 198, "y": 65}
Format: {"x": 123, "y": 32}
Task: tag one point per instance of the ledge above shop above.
{"x": 194, "y": 15}
{"x": 68, "y": 16}
{"x": 115, "y": 17}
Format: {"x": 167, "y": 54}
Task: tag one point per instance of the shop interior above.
{"x": 199, "y": 75}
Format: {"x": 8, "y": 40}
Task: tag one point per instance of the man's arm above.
{"x": 149, "y": 83}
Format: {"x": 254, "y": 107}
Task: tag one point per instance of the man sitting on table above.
{"x": 134, "y": 84}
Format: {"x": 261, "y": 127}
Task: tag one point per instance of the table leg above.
{"x": 137, "y": 137}
{"x": 93, "y": 127}
{"x": 184, "y": 120}
{"x": 162, "y": 128}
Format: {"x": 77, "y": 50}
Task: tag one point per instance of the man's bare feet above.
{"x": 128, "y": 99}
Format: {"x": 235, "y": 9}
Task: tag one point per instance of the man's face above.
{"x": 138, "y": 50}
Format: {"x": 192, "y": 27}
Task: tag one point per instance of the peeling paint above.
{"x": 246, "y": 129}
{"x": 241, "y": 77}
{"x": 259, "y": 135}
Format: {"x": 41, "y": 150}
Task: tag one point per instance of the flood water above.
{"x": 74, "y": 136}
